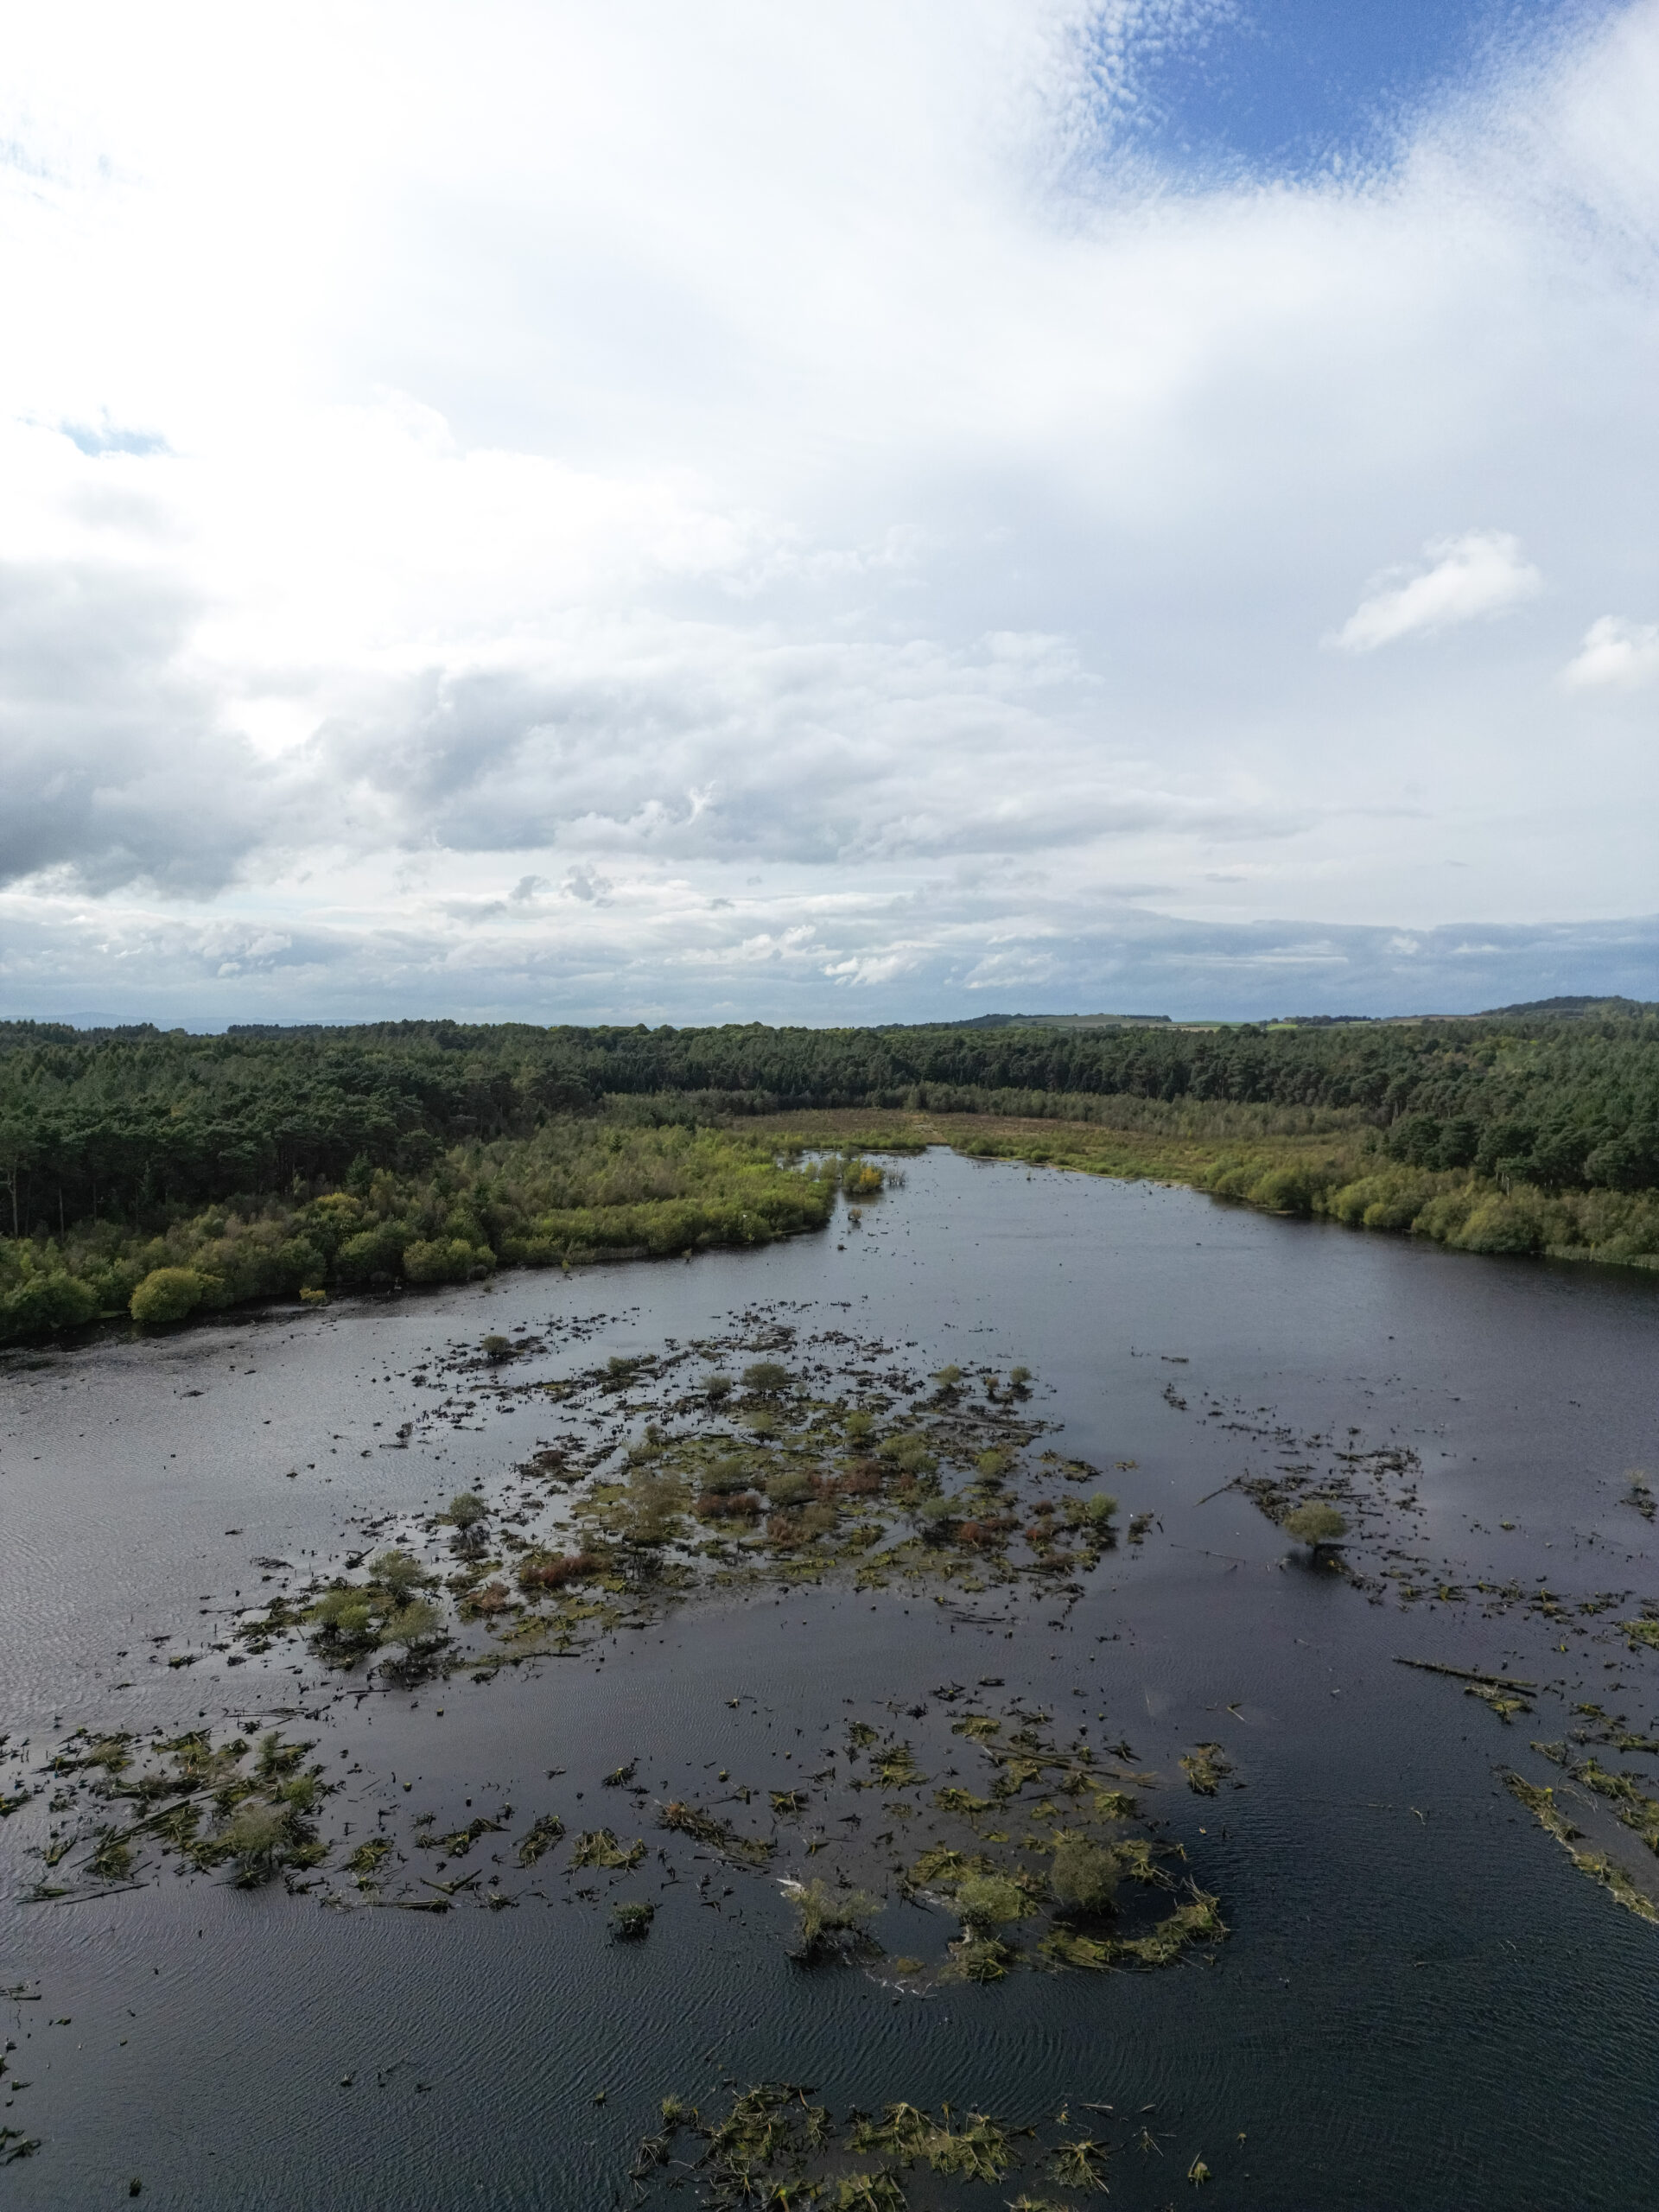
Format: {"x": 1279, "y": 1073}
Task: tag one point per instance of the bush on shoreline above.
{"x": 1458, "y": 1208}
{"x": 1360, "y": 1186}
{"x": 578, "y": 1190}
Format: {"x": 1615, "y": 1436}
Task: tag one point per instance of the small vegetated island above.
{"x": 161, "y": 1174}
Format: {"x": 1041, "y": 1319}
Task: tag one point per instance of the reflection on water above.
{"x": 1420, "y": 2003}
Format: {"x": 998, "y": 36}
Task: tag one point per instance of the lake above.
{"x": 1421, "y": 1999}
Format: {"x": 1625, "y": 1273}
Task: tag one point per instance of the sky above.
{"x": 625, "y": 512}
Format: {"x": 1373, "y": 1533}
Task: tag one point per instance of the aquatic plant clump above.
{"x": 718, "y": 1836}
{"x": 201, "y": 1804}
{"x": 351, "y": 1621}
{"x": 830, "y": 1919}
{"x": 1316, "y": 1524}
{"x": 599, "y": 1848}
{"x": 540, "y": 1839}
{"x": 771, "y": 2145}
{"x": 1083, "y": 1876}
{"x": 1205, "y": 1766}
{"x": 987, "y": 1901}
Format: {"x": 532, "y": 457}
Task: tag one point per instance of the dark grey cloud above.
{"x": 552, "y": 957}
{"x": 948, "y": 626}
{"x": 113, "y": 763}
{"x": 723, "y": 745}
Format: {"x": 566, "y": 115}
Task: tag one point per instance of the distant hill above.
{"x": 1532, "y": 1007}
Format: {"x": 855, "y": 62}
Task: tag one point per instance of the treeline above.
{"x": 118, "y": 1125}
{"x": 267, "y": 1162}
{"x": 574, "y": 1191}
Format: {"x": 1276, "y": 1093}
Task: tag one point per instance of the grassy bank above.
{"x": 1257, "y": 1155}
{"x": 574, "y": 1191}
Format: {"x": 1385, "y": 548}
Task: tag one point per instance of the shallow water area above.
{"x": 1421, "y": 2001}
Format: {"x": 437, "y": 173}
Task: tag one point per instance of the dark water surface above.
{"x": 1422, "y": 2003}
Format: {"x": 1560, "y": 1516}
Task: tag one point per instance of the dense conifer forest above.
{"x": 279, "y": 1161}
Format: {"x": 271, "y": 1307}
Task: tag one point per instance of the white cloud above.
{"x": 1483, "y": 572}
{"x": 1616, "y": 656}
{"x": 558, "y": 462}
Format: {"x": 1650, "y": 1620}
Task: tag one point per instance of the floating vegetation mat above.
{"x": 768, "y": 1455}
{"x": 1541, "y": 1804}
{"x": 248, "y": 1807}
{"x": 772, "y": 2145}
{"x": 952, "y": 1839}
{"x": 1629, "y": 1804}
{"x": 1617, "y": 1791}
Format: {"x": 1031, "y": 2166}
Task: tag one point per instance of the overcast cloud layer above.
{"x": 640, "y": 512}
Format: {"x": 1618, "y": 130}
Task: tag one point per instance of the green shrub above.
{"x": 1317, "y": 1522}
{"x": 1398, "y": 1208}
{"x": 1231, "y": 1180}
{"x": 1503, "y": 1225}
{"x": 1084, "y": 1876}
{"x": 862, "y": 1178}
{"x": 788, "y": 1487}
{"x": 1094, "y": 1514}
{"x": 1283, "y": 1190}
{"x": 829, "y": 1916}
{"x": 653, "y": 1508}
{"x": 49, "y": 1301}
{"x": 412, "y": 1626}
{"x": 345, "y": 1618}
{"x": 399, "y": 1575}
{"x": 167, "y": 1294}
{"x": 257, "y": 1838}
{"x": 1444, "y": 1214}
{"x": 1347, "y": 1204}
{"x": 371, "y": 1253}
{"x": 909, "y": 1453}
{"x": 445, "y": 1259}
{"x": 991, "y": 1901}
{"x": 1388, "y": 1201}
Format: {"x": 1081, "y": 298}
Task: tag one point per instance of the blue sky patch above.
{"x": 109, "y": 437}
{"x": 1296, "y": 87}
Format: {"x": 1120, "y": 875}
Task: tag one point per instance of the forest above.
{"x": 496, "y": 1138}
